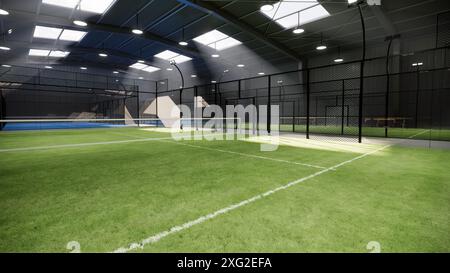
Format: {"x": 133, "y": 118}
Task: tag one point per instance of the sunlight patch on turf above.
{"x": 327, "y": 144}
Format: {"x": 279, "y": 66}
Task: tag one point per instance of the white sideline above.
{"x": 82, "y": 144}
{"x": 248, "y": 155}
{"x": 418, "y": 134}
{"x": 155, "y": 238}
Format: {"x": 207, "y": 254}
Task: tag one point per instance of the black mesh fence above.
{"x": 34, "y": 93}
{"x": 409, "y": 102}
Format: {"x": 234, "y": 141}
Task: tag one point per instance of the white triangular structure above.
{"x": 201, "y": 102}
{"x": 128, "y": 117}
{"x": 168, "y": 111}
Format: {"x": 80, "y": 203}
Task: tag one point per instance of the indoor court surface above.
{"x": 106, "y": 190}
{"x": 207, "y": 129}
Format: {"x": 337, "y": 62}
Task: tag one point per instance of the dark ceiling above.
{"x": 163, "y": 21}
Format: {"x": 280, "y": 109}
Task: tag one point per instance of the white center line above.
{"x": 248, "y": 155}
{"x": 155, "y": 238}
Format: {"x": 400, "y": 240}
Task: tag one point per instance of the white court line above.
{"x": 81, "y": 144}
{"x": 418, "y": 134}
{"x": 157, "y": 237}
{"x": 248, "y": 155}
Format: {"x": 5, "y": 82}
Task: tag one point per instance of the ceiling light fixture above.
{"x": 115, "y": 72}
{"x": 137, "y": 30}
{"x": 339, "y": 58}
{"x": 267, "y": 7}
{"x": 321, "y": 46}
{"x": 241, "y": 65}
{"x": 103, "y": 55}
{"x": 83, "y": 68}
{"x": 80, "y": 23}
{"x": 169, "y": 69}
{"x": 6, "y": 65}
{"x": 261, "y": 73}
{"x": 183, "y": 41}
{"x": 5, "y": 48}
{"x": 215, "y": 55}
{"x": 213, "y": 81}
{"x": 298, "y": 30}
{"x": 48, "y": 67}
{"x": 193, "y": 76}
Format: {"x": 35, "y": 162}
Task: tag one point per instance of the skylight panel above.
{"x": 94, "y": 6}
{"x": 287, "y": 12}
{"x": 72, "y": 35}
{"x": 97, "y": 6}
{"x": 39, "y": 52}
{"x": 226, "y": 43}
{"x": 170, "y": 55}
{"x": 181, "y": 59}
{"x": 166, "y": 55}
{"x": 144, "y": 67}
{"x": 58, "y": 54}
{"x": 288, "y": 7}
{"x": 210, "y": 37}
{"x": 47, "y": 32}
{"x": 62, "y": 3}
{"x": 138, "y": 66}
{"x": 151, "y": 69}
{"x": 217, "y": 40}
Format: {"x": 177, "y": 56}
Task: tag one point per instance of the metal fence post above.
{"x": 343, "y": 107}
{"x": 269, "y": 110}
{"x": 308, "y": 98}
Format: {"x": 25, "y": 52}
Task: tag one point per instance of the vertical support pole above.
{"x": 181, "y": 113}
{"x": 308, "y": 99}
{"x": 239, "y": 89}
{"x": 157, "y": 116}
{"x": 269, "y": 106}
{"x": 343, "y": 107}
{"x": 293, "y": 116}
{"x": 138, "y": 110}
{"x": 388, "y": 86}
{"x": 361, "y": 83}
{"x": 215, "y": 93}
{"x": 417, "y": 98}
{"x": 195, "y": 107}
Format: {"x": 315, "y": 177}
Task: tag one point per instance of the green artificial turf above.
{"x": 108, "y": 196}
